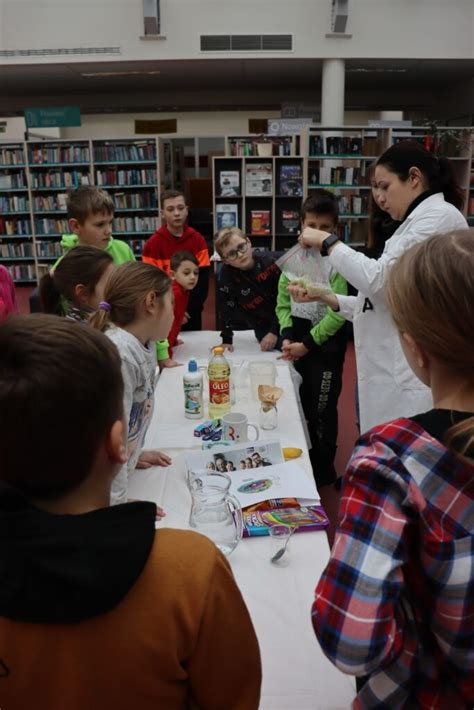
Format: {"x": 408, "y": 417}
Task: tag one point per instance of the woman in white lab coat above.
{"x": 419, "y": 189}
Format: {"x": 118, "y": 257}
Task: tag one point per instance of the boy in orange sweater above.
{"x": 185, "y": 274}
{"x": 97, "y": 609}
{"x": 176, "y": 235}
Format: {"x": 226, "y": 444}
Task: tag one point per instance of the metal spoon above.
{"x": 279, "y": 553}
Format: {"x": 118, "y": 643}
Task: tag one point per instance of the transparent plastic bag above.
{"x": 305, "y": 267}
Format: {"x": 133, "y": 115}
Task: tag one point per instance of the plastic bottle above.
{"x": 192, "y": 382}
{"x": 219, "y": 384}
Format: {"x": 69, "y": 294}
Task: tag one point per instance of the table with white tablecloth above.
{"x": 296, "y": 674}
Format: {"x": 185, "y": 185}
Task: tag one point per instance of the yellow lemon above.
{"x": 291, "y": 452}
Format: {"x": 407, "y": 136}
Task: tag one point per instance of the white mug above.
{"x": 235, "y": 427}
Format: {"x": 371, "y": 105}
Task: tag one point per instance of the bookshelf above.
{"x": 35, "y": 177}
{"x": 257, "y": 194}
{"x": 16, "y": 233}
{"x": 128, "y": 170}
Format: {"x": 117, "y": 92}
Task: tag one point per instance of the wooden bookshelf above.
{"x": 35, "y": 177}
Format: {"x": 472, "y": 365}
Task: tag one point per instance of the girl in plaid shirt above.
{"x": 396, "y": 601}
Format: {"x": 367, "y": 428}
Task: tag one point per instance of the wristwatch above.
{"x": 328, "y": 242}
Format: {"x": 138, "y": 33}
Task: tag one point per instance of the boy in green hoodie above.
{"x": 316, "y": 343}
{"x": 90, "y": 213}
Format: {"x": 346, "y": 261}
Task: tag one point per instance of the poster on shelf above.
{"x": 258, "y": 180}
{"x": 291, "y": 180}
{"x": 229, "y": 183}
{"x": 260, "y": 222}
{"x": 227, "y": 216}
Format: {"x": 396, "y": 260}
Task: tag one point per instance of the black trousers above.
{"x": 321, "y": 370}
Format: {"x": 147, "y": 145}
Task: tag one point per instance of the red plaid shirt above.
{"x": 396, "y": 600}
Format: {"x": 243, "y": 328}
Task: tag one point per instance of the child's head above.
{"x": 137, "y": 293}
{"x": 320, "y": 211}
{"x": 56, "y": 377}
{"x": 430, "y": 292}
{"x": 248, "y": 463}
{"x": 90, "y": 213}
{"x": 173, "y": 210}
{"x": 234, "y": 248}
{"x": 185, "y": 269}
{"x": 80, "y": 278}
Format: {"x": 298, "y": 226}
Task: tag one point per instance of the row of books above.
{"x": 352, "y": 232}
{"x": 12, "y": 249}
{"x": 136, "y": 224}
{"x": 13, "y": 181}
{"x": 23, "y": 272}
{"x": 135, "y": 200}
{"x": 12, "y": 156}
{"x": 125, "y": 177}
{"x": 127, "y": 152}
{"x": 49, "y": 248}
{"x": 72, "y": 179}
{"x": 320, "y": 175}
{"x": 249, "y": 146}
{"x": 12, "y": 227}
{"x": 14, "y": 203}
{"x": 335, "y": 145}
{"x": 47, "y": 203}
{"x": 353, "y": 204}
{"x": 59, "y": 154}
{"x": 259, "y": 180}
{"x": 51, "y": 226}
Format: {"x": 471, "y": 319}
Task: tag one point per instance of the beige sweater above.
{"x": 181, "y": 638}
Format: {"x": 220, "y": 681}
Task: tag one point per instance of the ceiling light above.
{"x": 120, "y": 73}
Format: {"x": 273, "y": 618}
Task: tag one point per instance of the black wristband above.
{"x": 327, "y": 243}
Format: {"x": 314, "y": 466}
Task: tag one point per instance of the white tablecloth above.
{"x": 296, "y": 674}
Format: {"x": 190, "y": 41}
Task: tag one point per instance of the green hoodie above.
{"x": 121, "y": 254}
{"x": 118, "y": 250}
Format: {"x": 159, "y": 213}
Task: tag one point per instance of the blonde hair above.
{"x": 223, "y": 237}
{"x": 430, "y": 294}
{"x": 126, "y": 289}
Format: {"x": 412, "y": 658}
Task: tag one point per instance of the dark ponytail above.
{"x": 438, "y": 173}
{"x": 82, "y": 265}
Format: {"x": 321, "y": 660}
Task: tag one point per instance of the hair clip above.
{"x": 104, "y": 306}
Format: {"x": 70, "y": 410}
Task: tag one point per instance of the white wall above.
{"x": 122, "y": 125}
{"x": 380, "y": 28}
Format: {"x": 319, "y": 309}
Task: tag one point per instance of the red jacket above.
{"x": 181, "y": 298}
{"x": 161, "y": 246}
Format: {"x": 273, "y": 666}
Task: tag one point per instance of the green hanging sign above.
{"x": 53, "y": 117}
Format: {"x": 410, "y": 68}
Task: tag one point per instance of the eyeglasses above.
{"x": 241, "y": 249}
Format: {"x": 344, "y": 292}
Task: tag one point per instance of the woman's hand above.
{"x": 300, "y": 295}
{"x": 310, "y": 237}
{"x": 147, "y": 459}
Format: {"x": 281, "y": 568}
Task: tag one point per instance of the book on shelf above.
{"x": 258, "y": 179}
{"x": 14, "y": 203}
{"x": 60, "y": 179}
{"x": 13, "y": 181}
{"x": 227, "y": 216}
{"x": 135, "y": 224}
{"x": 11, "y": 156}
{"x": 59, "y": 154}
{"x": 127, "y": 152}
{"x": 322, "y": 175}
{"x": 290, "y": 221}
{"x": 229, "y": 183}
{"x": 291, "y": 180}
{"x": 259, "y": 222}
{"x": 280, "y": 145}
{"x": 120, "y": 178}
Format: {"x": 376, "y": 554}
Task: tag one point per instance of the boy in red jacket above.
{"x": 175, "y": 235}
{"x": 185, "y": 273}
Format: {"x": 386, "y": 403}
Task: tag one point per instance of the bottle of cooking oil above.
{"x": 219, "y": 384}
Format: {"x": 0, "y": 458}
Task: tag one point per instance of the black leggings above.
{"x": 322, "y": 383}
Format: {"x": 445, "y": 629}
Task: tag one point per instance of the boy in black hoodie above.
{"x": 247, "y": 290}
{"x": 90, "y": 594}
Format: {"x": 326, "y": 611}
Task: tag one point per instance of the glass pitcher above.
{"x": 215, "y": 512}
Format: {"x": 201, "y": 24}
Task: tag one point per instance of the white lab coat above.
{"x": 387, "y": 387}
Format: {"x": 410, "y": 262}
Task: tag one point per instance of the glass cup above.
{"x": 268, "y": 417}
{"x": 279, "y": 545}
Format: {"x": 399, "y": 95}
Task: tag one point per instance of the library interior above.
{"x": 281, "y": 138}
